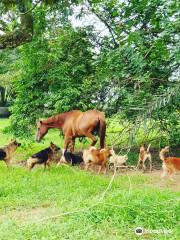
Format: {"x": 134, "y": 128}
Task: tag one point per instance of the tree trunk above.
{"x": 2, "y": 96}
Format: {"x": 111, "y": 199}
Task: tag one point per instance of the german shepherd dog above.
{"x": 45, "y": 156}
{"x": 7, "y": 151}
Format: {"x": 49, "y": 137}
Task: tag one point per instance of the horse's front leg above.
{"x": 72, "y": 145}
{"x": 67, "y": 141}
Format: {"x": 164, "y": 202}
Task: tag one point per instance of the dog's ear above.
{"x": 38, "y": 123}
{"x": 167, "y": 148}
{"x": 52, "y": 145}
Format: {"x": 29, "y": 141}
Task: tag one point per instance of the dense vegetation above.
{"x": 128, "y": 67}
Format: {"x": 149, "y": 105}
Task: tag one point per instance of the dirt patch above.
{"x": 28, "y": 215}
{"x": 154, "y": 180}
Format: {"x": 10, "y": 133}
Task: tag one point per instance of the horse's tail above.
{"x": 102, "y": 131}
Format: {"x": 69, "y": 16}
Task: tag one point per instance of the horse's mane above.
{"x": 59, "y": 117}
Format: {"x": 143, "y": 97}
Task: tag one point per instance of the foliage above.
{"x": 8, "y": 73}
{"x": 53, "y": 73}
{"x": 124, "y": 71}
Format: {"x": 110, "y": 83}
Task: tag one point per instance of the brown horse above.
{"x": 75, "y": 124}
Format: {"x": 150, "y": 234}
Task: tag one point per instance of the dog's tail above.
{"x": 22, "y": 163}
{"x": 148, "y": 148}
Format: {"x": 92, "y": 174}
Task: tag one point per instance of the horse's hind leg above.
{"x": 92, "y": 137}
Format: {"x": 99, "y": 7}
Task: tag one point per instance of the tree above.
{"x": 7, "y": 75}
{"x": 123, "y": 71}
{"x": 21, "y": 19}
{"x": 53, "y": 73}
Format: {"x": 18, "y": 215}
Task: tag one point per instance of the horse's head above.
{"x": 42, "y": 129}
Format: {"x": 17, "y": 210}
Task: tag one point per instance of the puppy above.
{"x": 117, "y": 161}
{"x": 96, "y": 157}
{"x": 43, "y": 157}
{"x": 144, "y": 154}
{"x": 72, "y": 158}
{"x": 7, "y": 151}
{"x": 170, "y": 164}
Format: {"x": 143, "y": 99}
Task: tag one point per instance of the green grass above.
{"x": 29, "y": 202}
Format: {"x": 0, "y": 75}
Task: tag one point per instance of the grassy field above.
{"x": 69, "y": 203}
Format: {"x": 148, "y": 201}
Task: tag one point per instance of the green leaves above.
{"x": 51, "y": 79}
{"x": 126, "y": 69}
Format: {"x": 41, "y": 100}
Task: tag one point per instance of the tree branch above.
{"x": 105, "y": 23}
{"x": 21, "y": 35}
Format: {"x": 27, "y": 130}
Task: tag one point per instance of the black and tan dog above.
{"x": 71, "y": 158}
{"x": 7, "y": 151}
{"x": 43, "y": 157}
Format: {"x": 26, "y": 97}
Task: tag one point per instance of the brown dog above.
{"x": 97, "y": 157}
{"x": 144, "y": 154}
{"x": 170, "y": 164}
{"x": 7, "y": 151}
